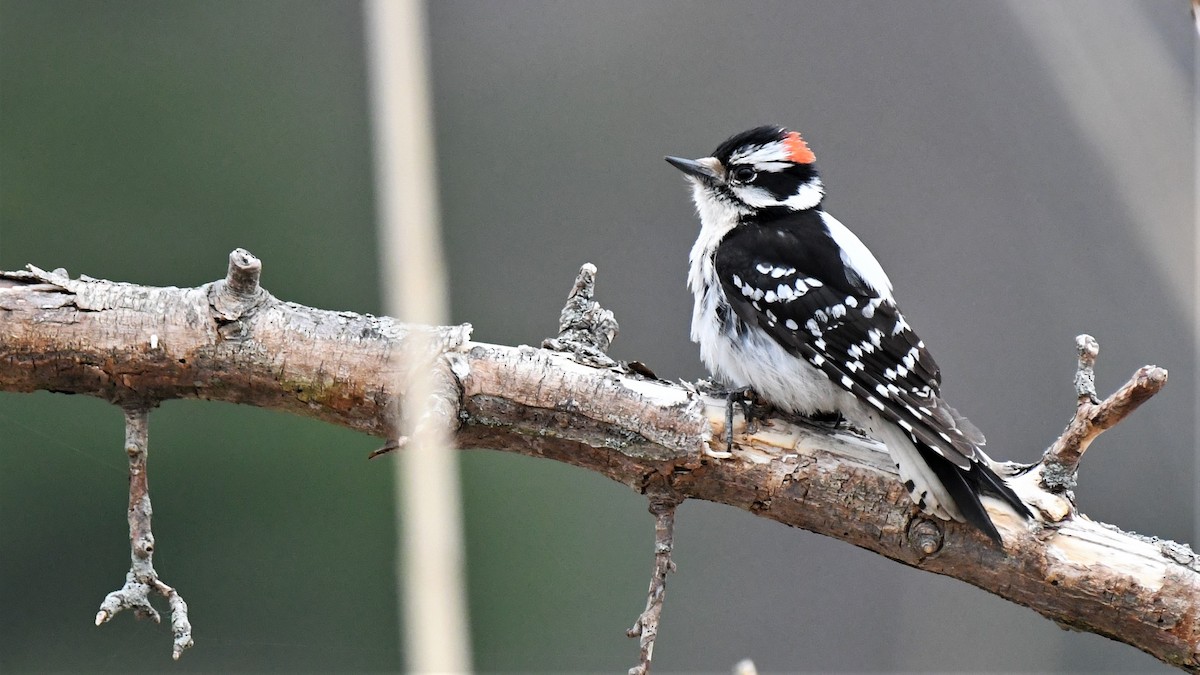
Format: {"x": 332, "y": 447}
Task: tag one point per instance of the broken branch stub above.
{"x": 585, "y": 329}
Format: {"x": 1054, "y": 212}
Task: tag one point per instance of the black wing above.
{"x": 790, "y": 283}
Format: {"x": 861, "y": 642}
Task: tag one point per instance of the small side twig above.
{"x": 142, "y": 579}
{"x": 1060, "y": 463}
{"x": 646, "y": 626}
{"x": 585, "y": 329}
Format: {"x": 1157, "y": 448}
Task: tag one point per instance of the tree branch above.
{"x": 133, "y": 344}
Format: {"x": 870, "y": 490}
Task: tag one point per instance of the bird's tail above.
{"x": 967, "y": 486}
{"x": 945, "y": 490}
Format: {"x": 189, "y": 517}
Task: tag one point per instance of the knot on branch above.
{"x": 585, "y": 329}
{"x": 239, "y": 292}
{"x": 926, "y": 536}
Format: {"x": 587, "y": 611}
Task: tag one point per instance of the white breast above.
{"x": 755, "y": 360}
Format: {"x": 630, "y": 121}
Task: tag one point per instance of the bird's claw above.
{"x": 743, "y": 397}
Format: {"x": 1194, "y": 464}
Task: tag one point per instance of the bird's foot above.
{"x": 753, "y": 409}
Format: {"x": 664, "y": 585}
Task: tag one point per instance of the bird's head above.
{"x": 764, "y": 168}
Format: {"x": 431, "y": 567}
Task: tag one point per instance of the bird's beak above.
{"x": 707, "y": 167}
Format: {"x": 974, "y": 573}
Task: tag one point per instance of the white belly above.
{"x": 753, "y": 359}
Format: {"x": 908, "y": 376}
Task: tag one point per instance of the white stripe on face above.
{"x": 771, "y": 152}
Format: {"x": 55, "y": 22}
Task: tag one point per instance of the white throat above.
{"x": 717, "y": 218}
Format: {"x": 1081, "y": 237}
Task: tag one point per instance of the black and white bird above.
{"x": 791, "y": 304}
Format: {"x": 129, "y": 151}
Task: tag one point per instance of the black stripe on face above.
{"x": 785, "y": 183}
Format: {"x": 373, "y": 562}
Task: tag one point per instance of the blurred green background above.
{"x": 1024, "y": 170}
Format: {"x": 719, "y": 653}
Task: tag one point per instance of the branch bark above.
{"x": 134, "y": 345}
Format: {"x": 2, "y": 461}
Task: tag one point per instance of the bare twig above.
{"x": 646, "y": 626}
{"x": 1060, "y": 463}
{"x": 142, "y": 579}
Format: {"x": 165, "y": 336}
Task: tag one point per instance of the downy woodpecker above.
{"x": 791, "y": 304}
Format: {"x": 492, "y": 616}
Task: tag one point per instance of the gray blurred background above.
{"x": 1023, "y": 169}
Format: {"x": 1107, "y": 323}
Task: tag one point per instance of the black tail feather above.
{"x": 966, "y": 485}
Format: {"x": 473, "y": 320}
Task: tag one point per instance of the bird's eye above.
{"x": 744, "y": 174}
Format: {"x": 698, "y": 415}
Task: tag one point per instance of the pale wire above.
{"x": 1196, "y": 257}
{"x": 414, "y": 289}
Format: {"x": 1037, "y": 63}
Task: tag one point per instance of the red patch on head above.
{"x": 797, "y": 149}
